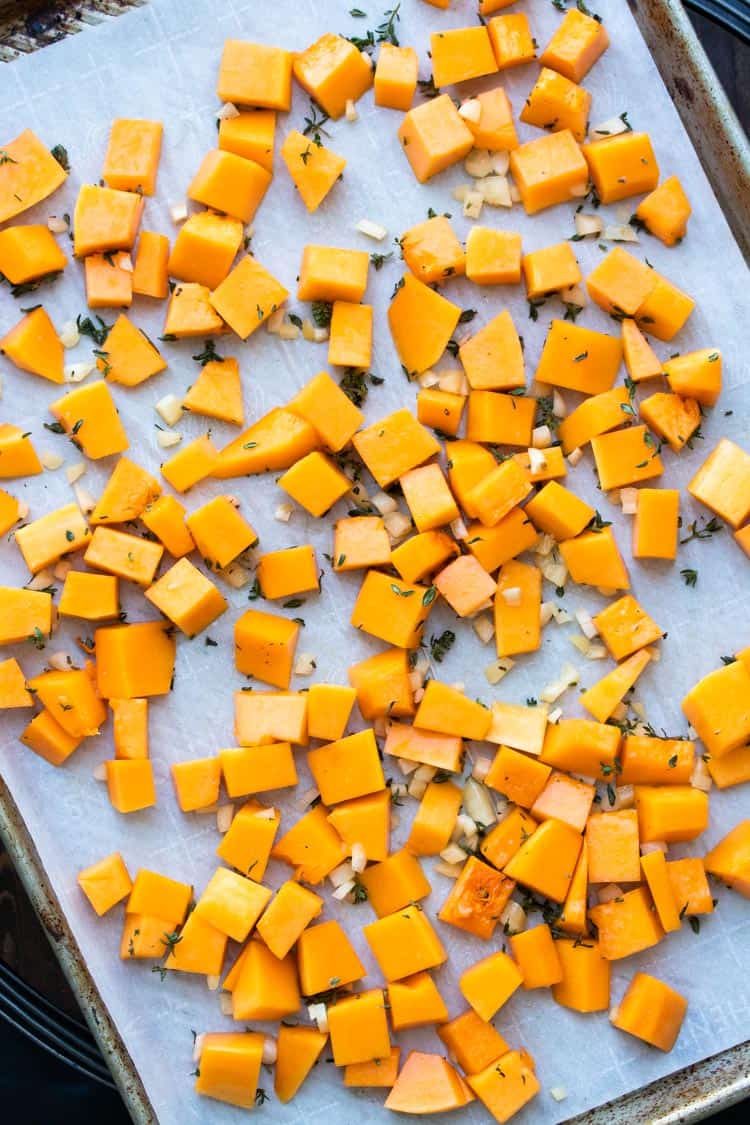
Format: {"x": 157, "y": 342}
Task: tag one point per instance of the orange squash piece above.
{"x": 105, "y": 219}
{"x": 428, "y": 1084}
{"x": 477, "y": 899}
{"x": 28, "y": 174}
{"x": 33, "y": 345}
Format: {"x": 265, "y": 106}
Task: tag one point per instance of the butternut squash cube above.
{"x": 220, "y": 533}
{"x": 493, "y": 546}
{"x": 329, "y": 274}
{"x": 477, "y": 899}
{"x": 559, "y": 512}
{"x": 328, "y": 709}
{"x": 189, "y": 313}
{"x": 33, "y": 345}
{"x": 566, "y": 799}
{"x": 579, "y": 358}
{"x": 326, "y": 408}
{"x": 347, "y": 768}
{"x": 150, "y": 277}
{"x": 730, "y": 859}
{"x": 548, "y": 171}
{"x": 640, "y": 359}
{"x": 521, "y": 727}
{"x": 440, "y": 410}
{"x": 105, "y": 883}
{"x": 731, "y": 769}
{"x": 247, "y": 296}
{"x": 109, "y": 284}
{"x": 428, "y": 497}
{"x": 29, "y": 174}
{"x": 350, "y": 340}
{"x": 17, "y": 455}
{"x": 256, "y": 769}
{"x": 646, "y": 760}
{"x": 665, "y": 310}
{"x": 327, "y": 959}
{"x": 395, "y": 444}
{"x": 415, "y": 1002}
{"x": 621, "y": 166}
{"x": 332, "y": 71}
{"x": 586, "y": 977}
{"x": 29, "y": 253}
{"x": 493, "y": 358}
{"x": 313, "y": 168}
{"x": 446, "y": 710}
{"x": 382, "y": 684}
{"x": 217, "y": 392}
{"x": 90, "y": 411}
{"x": 230, "y": 183}
{"x": 130, "y": 357}
{"x": 205, "y": 247}
{"x": 435, "y": 818}
{"x": 493, "y": 257}
{"x": 247, "y": 844}
{"x": 722, "y": 483}
{"x": 459, "y": 54}
{"x": 465, "y": 585}
{"x": 396, "y": 76}
{"x": 621, "y": 283}
{"x": 275, "y": 441}
{"x": 517, "y": 620}
{"x": 500, "y": 419}
{"x": 505, "y": 1086}
{"x": 130, "y": 728}
{"x": 316, "y": 483}
{"x": 194, "y": 462}
{"x": 129, "y": 490}
{"x": 165, "y": 518}
{"x": 582, "y": 746}
{"x": 546, "y": 861}
{"x": 266, "y": 988}
{"x": 495, "y": 129}
{"x": 404, "y": 943}
{"x": 690, "y": 887}
{"x": 672, "y": 418}
{"x": 49, "y": 538}
{"x": 231, "y": 903}
{"x": 264, "y": 647}
{"x": 548, "y": 270}
{"x": 650, "y": 1010}
{"x": 718, "y": 708}
{"x": 105, "y": 219}
{"x": 489, "y": 984}
{"x": 626, "y": 924}
{"x": 574, "y": 916}
{"x": 391, "y": 610}
{"x": 395, "y": 883}
{"x": 612, "y": 845}
{"x": 595, "y": 415}
{"x": 366, "y": 821}
{"x": 287, "y": 572}
{"x": 362, "y": 542}
{"x": 472, "y": 1041}
{"x": 427, "y": 1083}
{"x": 143, "y": 936}
{"x": 292, "y": 909}
{"x": 13, "y": 692}
{"x": 358, "y": 1026}
{"x": 666, "y": 211}
{"x": 132, "y": 155}
{"x": 420, "y": 556}
{"x": 201, "y": 949}
{"x": 92, "y": 597}
{"x": 556, "y": 103}
{"x": 444, "y": 752}
{"x": 432, "y": 251}
{"x": 673, "y": 813}
{"x": 298, "y": 1049}
{"x": 593, "y": 559}
{"x": 518, "y": 777}
{"x": 656, "y": 876}
{"x": 250, "y": 134}
{"x": 127, "y": 556}
{"x": 433, "y": 137}
{"x": 46, "y": 737}
{"x": 512, "y": 41}
{"x": 256, "y": 75}
{"x": 602, "y": 698}
{"x": 576, "y": 45}
{"x": 134, "y": 660}
{"x": 415, "y": 303}
{"x": 196, "y": 783}
{"x": 696, "y": 374}
{"x": 130, "y": 784}
{"x": 624, "y": 626}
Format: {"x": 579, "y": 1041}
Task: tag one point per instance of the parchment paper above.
{"x": 161, "y": 61}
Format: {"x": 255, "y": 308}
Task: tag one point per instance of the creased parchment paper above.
{"x": 161, "y": 61}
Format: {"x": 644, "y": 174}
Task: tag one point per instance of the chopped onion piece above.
{"x": 384, "y": 503}
{"x": 460, "y": 192}
{"x": 629, "y": 501}
{"x": 283, "y": 512}
{"x": 575, "y": 295}
{"x": 341, "y": 874}
{"x": 458, "y": 528}
{"x": 52, "y": 461}
{"x": 484, "y": 627}
{"x": 481, "y": 768}
{"x": 512, "y": 595}
{"x": 318, "y": 1013}
{"x": 587, "y": 224}
{"x": 226, "y": 1004}
{"x": 558, "y": 1093}
{"x": 269, "y": 1051}
{"x": 609, "y": 128}
{"x": 57, "y": 225}
{"x": 227, "y": 111}
{"x": 555, "y": 715}
{"x": 305, "y": 664}
{"x": 372, "y": 230}
{"x": 596, "y": 652}
{"x": 624, "y": 798}
{"x": 236, "y": 575}
{"x": 473, "y": 202}
{"x": 455, "y": 382}
{"x": 198, "y": 1046}
{"x": 428, "y": 378}
{"x": 537, "y": 460}
{"x": 100, "y": 772}
{"x": 169, "y": 409}
{"x": 425, "y": 773}
{"x": 495, "y": 672}
{"x": 274, "y": 322}
{"x": 449, "y": 870}
{"x": 77, "y": 372}
{"x": 359, "y": 858}
{"x": 62, "y": 569}
{"x": 545, "y": 612}
{"x": 69, "y": 334}
{"x": 581, "y": 643}
{"x": 289, "y": 331}
{"x": 513, "y": 918}
{"x": 224, "y": 817}
{"x": 545, "y": 544}
{"x": 478, "y": 804}
{"x": 471, "y": 110}
{"x": 654, "y": 846}
{"x": 515, "y": 194}
{"x": 478, "y": 163}
{"x": 166, "y": 439}
{"x": 561, "y": 616}
{"x": 496, "y": 191}
{"x": 701, "y": 778}
{"x": 417, "y": 789}
{"x": 559, "y": 405}
{"x": 580, "y": 190}
{"x": 178, "y": 212}
{"x": 575, "y": 456}
{"x": 75, "y": 472}
{"x": 351, "y": 111}
{"x": 60, "y": 661}
{"x": 453, "y": 854}
{"x": 84, "y": 499}
{"x": 345, "y": 889}
{"x": 586, "y": 621}
{"x": 620, "y": 232}
{"x": 541, "y": 437}
{"x": 397, "y": 525}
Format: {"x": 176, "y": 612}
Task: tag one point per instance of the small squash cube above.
{"x": 535, "y": 951}
{"x": 328, "y": 709}
{"x": 91, "y": 411}
{"x": 105, "y": 883}
{"x": 556, "y": 103}
{"x": 432, "y": 250}
{"x": 465, "y": 585}
{"x": 621, "y": 166}
{"x": 512, "y": 41}
{"x": 105, "y": 219}
{"x": 549, "y": 270}
{"x": 347, "y": 768}
{"x": 358, "y": 1027}
{"x": 219, "y": 532}
{"x": 666, "y": 211}
{"x": 29, "y": 253}
{"x": 187, "y": 598}
{"x": 33, "y": 345}
{"x": 472, "y": 1041}
{"x": 391, "y": 610}
{"x": 461, "y": 53}
{"x": 395, "y": 444}
{"x": 205, "y": 247}
{"x": 427, "y": 1084}
{"x": 495, "y": 129}
{"x": 576, "y": 45}
{"x": 132, "y": 155}
{"x": 92, "y": 597}
{"x": 250, "y": 134}
{"x": 586, "y": 977}
{"x": 396, "y": 76}
{"x": 579, "y": 358}
{"x": 256, "y": 75}
{"x": 723, "y": 483}
{"x": 673, "y": 813}
{"x": 625, "y": 627}
{"x": 150, "y": 277}
{"x": 266, "y": 988}
{"x": 546, "y": 861}
{"x": 477, "y": 899}
{"x": 298, "y": 1050}
{"x": 549, "y": 170}
{"x": 231, "y": 903}
{"x": 247, "y": 844}
{"x": 730, "y": 859}
{"x": 362, "y": 542}
{"x": 130, "y": 358}
{"x": 134, "y": 660}
{"x": 131, "y": 784}
{"x": 440, "y": 410}
{"x": 350, "y": 340}
{"x": 696, "y": 374}
{"x": 189, "y": 313}
{"x": 166, "y": 519}
{"x": 718, "y": 708}
{"x": 127, "y": 556}
{"x": 292, "y": 909}
{"x": 217, "y": 392}
{"x": 229, "y": 1067}
{"x": 493, "y": 357}
{"x": 196, "y": 783}
{"x": 333, "y": 415}
{"x": 415, "y": 302}
{"x": 415, "y": 1002}
{"x": 493, "y": 257}
{"x": 314, "y": 169}
{"x": 264, "y": 647}
{"x": 394, "y": 883}
{"x": 626, "y": 924}
{"x": 256, "y": 769}
{"x": 488, "y": 984}
{"x": 230, "y": 183}
{"x": 332, "y": 71}
{"x": 672, "y": 418}
{"x": 506, "y": 1085}
{"x": 625, "y": 457}
{"x": 50, "y": 537}
{"x": 316, "y": 483}
{"x": 435, "y": 818}
{"x": 404, "y": 943}
{"x": 650, "y": 1010}
{"x": 557, "y": 511}
{"x": 247, "y": 296}
{"x": 593, "y": 559}
{"x": 194, "y": 462}
{"x": 434, "y": 136}
{"x": 329, "y": 274}
{"x": 327, "y": 959}
{"x": 517, "y": 619}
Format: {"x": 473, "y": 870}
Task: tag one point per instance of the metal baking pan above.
{"x": 688, "y": 1095}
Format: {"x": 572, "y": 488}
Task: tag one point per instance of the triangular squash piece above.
{"x": 640, "y": 359}
{"x": 428, "y": 1084}
{"x": 217, "y": 392}
{"x": 129, "y": 490}
{"x": 28, "y": 174}
{"x": 601, "y": 699}
{"x": 297, "y": 1051}
{"x": 190, "y": 313}
{"x": 274, "y": 442}
{"x": 13, "y": 692}
{"x": 128, "y": 356}
{"x": 33, "y": 345}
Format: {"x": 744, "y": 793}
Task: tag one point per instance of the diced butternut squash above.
{"x": 577, "y": 43}
{"x": 434, "y": 136}
{"x": 548, "y": 171}
{"x": 255, "y": 74}
{"x": 132, "y": 156}
{"x": 332, "y": 71}
{"x": 313, "y": 168}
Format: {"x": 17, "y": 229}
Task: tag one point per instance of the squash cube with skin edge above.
{"x": 557, "y": 511}
{"x": 255, "y": 74}
{"x": 505, "y": 1086}
{"x": 231, "y": 184}
{"x": 672, "y": 813}
{"x": 696, "y": 374}
{"x": 428, "y": 1083}
{"x": 461, "y": 53}
{"x": 729, "y": 860}
{"x": 549, "y": 270}
{"x": 382, "y": 684}
{"x": 557, "y": 103}
{"x": 626, "y": 925}
{"x": 428, "y": 497}
{"x": 71, "y": 699}
{"x": 298, "y": 1050}
{"x": 613, "y": 847}
{"x": 434, "y": 136}
{"x": 593, "y": 559}
{"x": 665, "y": 310}
{"x": 666, "y": 211}
{"x": 625, "y": 627}
{"x": 264, "y": 647}
{"x": 415, "y": 1002}
{"x": 519, "y": 777}
{"x": 394, "y": 445}
{"x": 602, "y": 698}
{"x": 690, "y": 887}
{"x": 444, "y": 752}
{"x": 656, "y": 877}
{"x": 134, "y": 660}
{"x": 313, "y": 168}
{"x": 247, "y": 844}
{"x": 217, "y": 392}
{"x": 332, "y": 71}
{"x": 276, "y": 441}
{"x": 595, "y": 415}
{"x": 250, "y": 134}
{"x": 232, "y": 904}
{"x": 350, "y": 339}
{"x": 404, "y": 943}
{"x": 108, "y": 285}
{"x": 194, "y": 462}
{"x": 582, "y": 746}
{"x": 432, "y": 251}
{"x": 641, "y": 361}
{"x": 50, "y": 537}
{"x": 500, "y": 419}
{"x": 17, "y": 455}
{"x": 126, "y": 494}
{"x": 650, "y": 1010}
{"x": 493, "y": 546}
{"x": 220, "y": 533}
{"x": 347, "y": 768}
{"x": 291, "y": 910}
{"x": 493, "y": 257}
{"x": 326, "y": 959}
{"x": 622, "y": 166}
{"x": 435, "y": 819}
{"x": 477, "y": 899}
{"x": 465, "y": 585}
{"x": 130, "y": 358}
{"x": 512, "y": 41}
{"x": 150, "y": 277}
{"x": 330, "y": 412}
{"x": 105, "y": 883}
{"x": 545, "y": 863}
{"x": 316, "y": 483}
{"x": 130, "y": 727}
{"x": 585, "y": 977}
{"x": 535, "y": 951}
{"x": 366, "y": 821}
{"x": 361, "y": 542}
{"x": 166, "y": 520}
{"x": 396, "y": 77}
{"x": 358, "y": 1027}
{"x": 518, "y": 623}
{"x": 576, "y": 45}
{"x": 189, "y": 313}
{"x": 105, "y": 220}
{"x": 621, "y": 283}
{"x": 13, "y": 691}
{"x": 722, "y": 483}
{"x": 196, "y": 783}
{"x": 564, "y": 798}
{"x": 132, "y": 155}
{"x": 394, "y": 883}
{"x": 328, "y": 709}
{"x": 257, "y": 769}
{"x": 440, "y": 410}
{"x": 131, "y": 784}
{"x": 392, "y": 611}
{"x": 472, "y": 1041}
{"x": 205, "y": 247}
{"x": 488, "y": 984}
{"x": 127, "y": 556}
{"x": 291, "y": 571}
{"x": 446, "y": 710}
{"x": 579, "y": 359}
{"x": 29, "y": 253}
{"x": 548, "y": 171}
{"x": 493, "y": 357}
{"x": 329, "y": 274}
{"x": 421, "y": 323}
{"x": 419, "y": 556}
{"x": 201, "y": 949}
{"x": 46, "y": 737}
{"x": 266, "y": 988}
{"x": 656, "y": 523}
{"x": 90, "y": 415}
{"x": 718, "y": 708}
{"x": 247, "y": 296}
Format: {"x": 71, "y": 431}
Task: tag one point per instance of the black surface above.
{"x": 734, "y": 15}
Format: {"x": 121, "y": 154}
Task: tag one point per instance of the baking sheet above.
{"x": 161, "y": 61}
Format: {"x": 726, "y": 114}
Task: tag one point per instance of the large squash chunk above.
{"x": 230, "y": 183}
{"x": 105, "y": 219}
{"x": 256, "y": 75}
{"x": 89, "y": 414}
{"x": 248, "y": 296}
{"x": 28, "y": 174}
{"x": 434, "y": 136}
{"x": 132, "y": 156}
{"x": 29, "y": 253}
{"x": 421, "y": 322}
{"x": 333, "y": 72}
{"x": 128, "y": 356}
{"x": 33, "y": 345}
